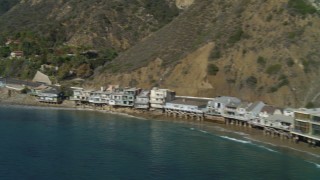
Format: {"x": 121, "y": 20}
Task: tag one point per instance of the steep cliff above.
{"x": 266, "y": 50}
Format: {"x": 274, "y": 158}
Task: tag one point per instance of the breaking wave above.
{"x": 236, "y": 140}
{"x": 203, "y": 131}
{"x": 249, "y": 142}
{"x": 317, "y": 165}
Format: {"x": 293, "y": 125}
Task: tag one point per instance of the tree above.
{"x": 5, "y": 52}
{"x": 64, "y": 71}
{"x": 213, "y": 69}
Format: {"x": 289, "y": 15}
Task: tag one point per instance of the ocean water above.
{"x": 67, "y": 144}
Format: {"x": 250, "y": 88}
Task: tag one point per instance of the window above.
{"x": 301, "y": 116}
{"x": 316, "y": 119}
{"x": 316, "y": 130}
{"x": 302, "y": 127}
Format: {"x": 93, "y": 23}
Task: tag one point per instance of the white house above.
{"x": 159, "y": 97}
{"x": 217, "y": 105}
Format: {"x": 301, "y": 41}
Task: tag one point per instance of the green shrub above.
{"x": 5, "y": 52}
{"x": 292, "y": 35}
{"x": 302, "y": 7}
{"x": 261, "y": 61}
{"x": 236, "y": 36}
{"x": 252, "y": 81}
{"x": 25, "y": 90}
{"x": 269, "y": 18}
{"x": 213, "y": 69}
{"x": 161, "y": 10}
{"x": 290, "y": 62}
{"x": 283, "y": 81}
{"x": 273, "y": 89}
{"x": 308, "y": 65}
{"x": 310, "y": 105}
{"x": 273, "y": 69}
{"x": 215, "y": 54}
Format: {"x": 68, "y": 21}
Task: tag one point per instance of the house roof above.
{"x": 51, "y": 91}
{"x": 226, "y": 99}
{"x": 101, "y": 92}
{"x": 244, "y": 105}
{"x": 270, "y": 109}
{"x": 233, "y": 104}
{"x": 162, "y": 90}
{"x": 256, "y": 106}
{"x": 16, "y": 87}
{"x": 21, "y": 82}
{"x": 314, "y": 111}
{"x": 112, "y": 87}
{"x": 280, "y": 118}
{"x": 144, "y": 93}
{"x": 40, "y": 77}
{"x": 41, "y": 87}
{"x": 131, "y": 89}
{"x": 77, "y": 88}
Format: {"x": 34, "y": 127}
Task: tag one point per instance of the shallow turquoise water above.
{"x": 66, "y": 144}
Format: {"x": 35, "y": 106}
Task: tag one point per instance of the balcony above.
{"x": 157, "y": 101}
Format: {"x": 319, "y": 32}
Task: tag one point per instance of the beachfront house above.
{"x": 217, "y": 105}
{"x": 142, "y": 100}
{"x": 159, "y": 97}
{"x": 125, "y": 97}
{"x": 273, "y": 117}
{"x": 35, "y": 91}
{"x": 268, "y": 110}
{"x": 187, "y": 104}
{"x": 186, "y": 107}
{"x": 278, "y": 121}
{"x": 234, "y": 109}
{"x": 100, "y": 98}
{"x": 288, "y": 112}
{"x": 238, "y": 111}
{"x": 52, "y": 95}
{"x": 254, "y": 109}
{"x": 306, "y": 124}
{"x": 80, "y": 96}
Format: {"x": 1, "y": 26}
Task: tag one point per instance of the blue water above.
{"x": 66, "y": 144}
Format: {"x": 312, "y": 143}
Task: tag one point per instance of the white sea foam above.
{"x": 241, "y": 133}
{"x": 220, "y": 129}
{"x": 312, "y": 154}
{"x": 203, "y": 131}
{"x": 263, "y": 142}
{"x": 236, "y": 140}
{"x": 200, "y": 130}
{"x": 317, "y": 165}
{"x": 249, "y": 142}
{"x": 271, "y": 150}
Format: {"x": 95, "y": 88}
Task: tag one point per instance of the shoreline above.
{"x": 245, "y": 134}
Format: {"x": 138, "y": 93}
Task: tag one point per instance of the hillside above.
{"x": 266, "y": 50}
{"x": 98, "y": 24}
{"x": 256, "y": 50}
